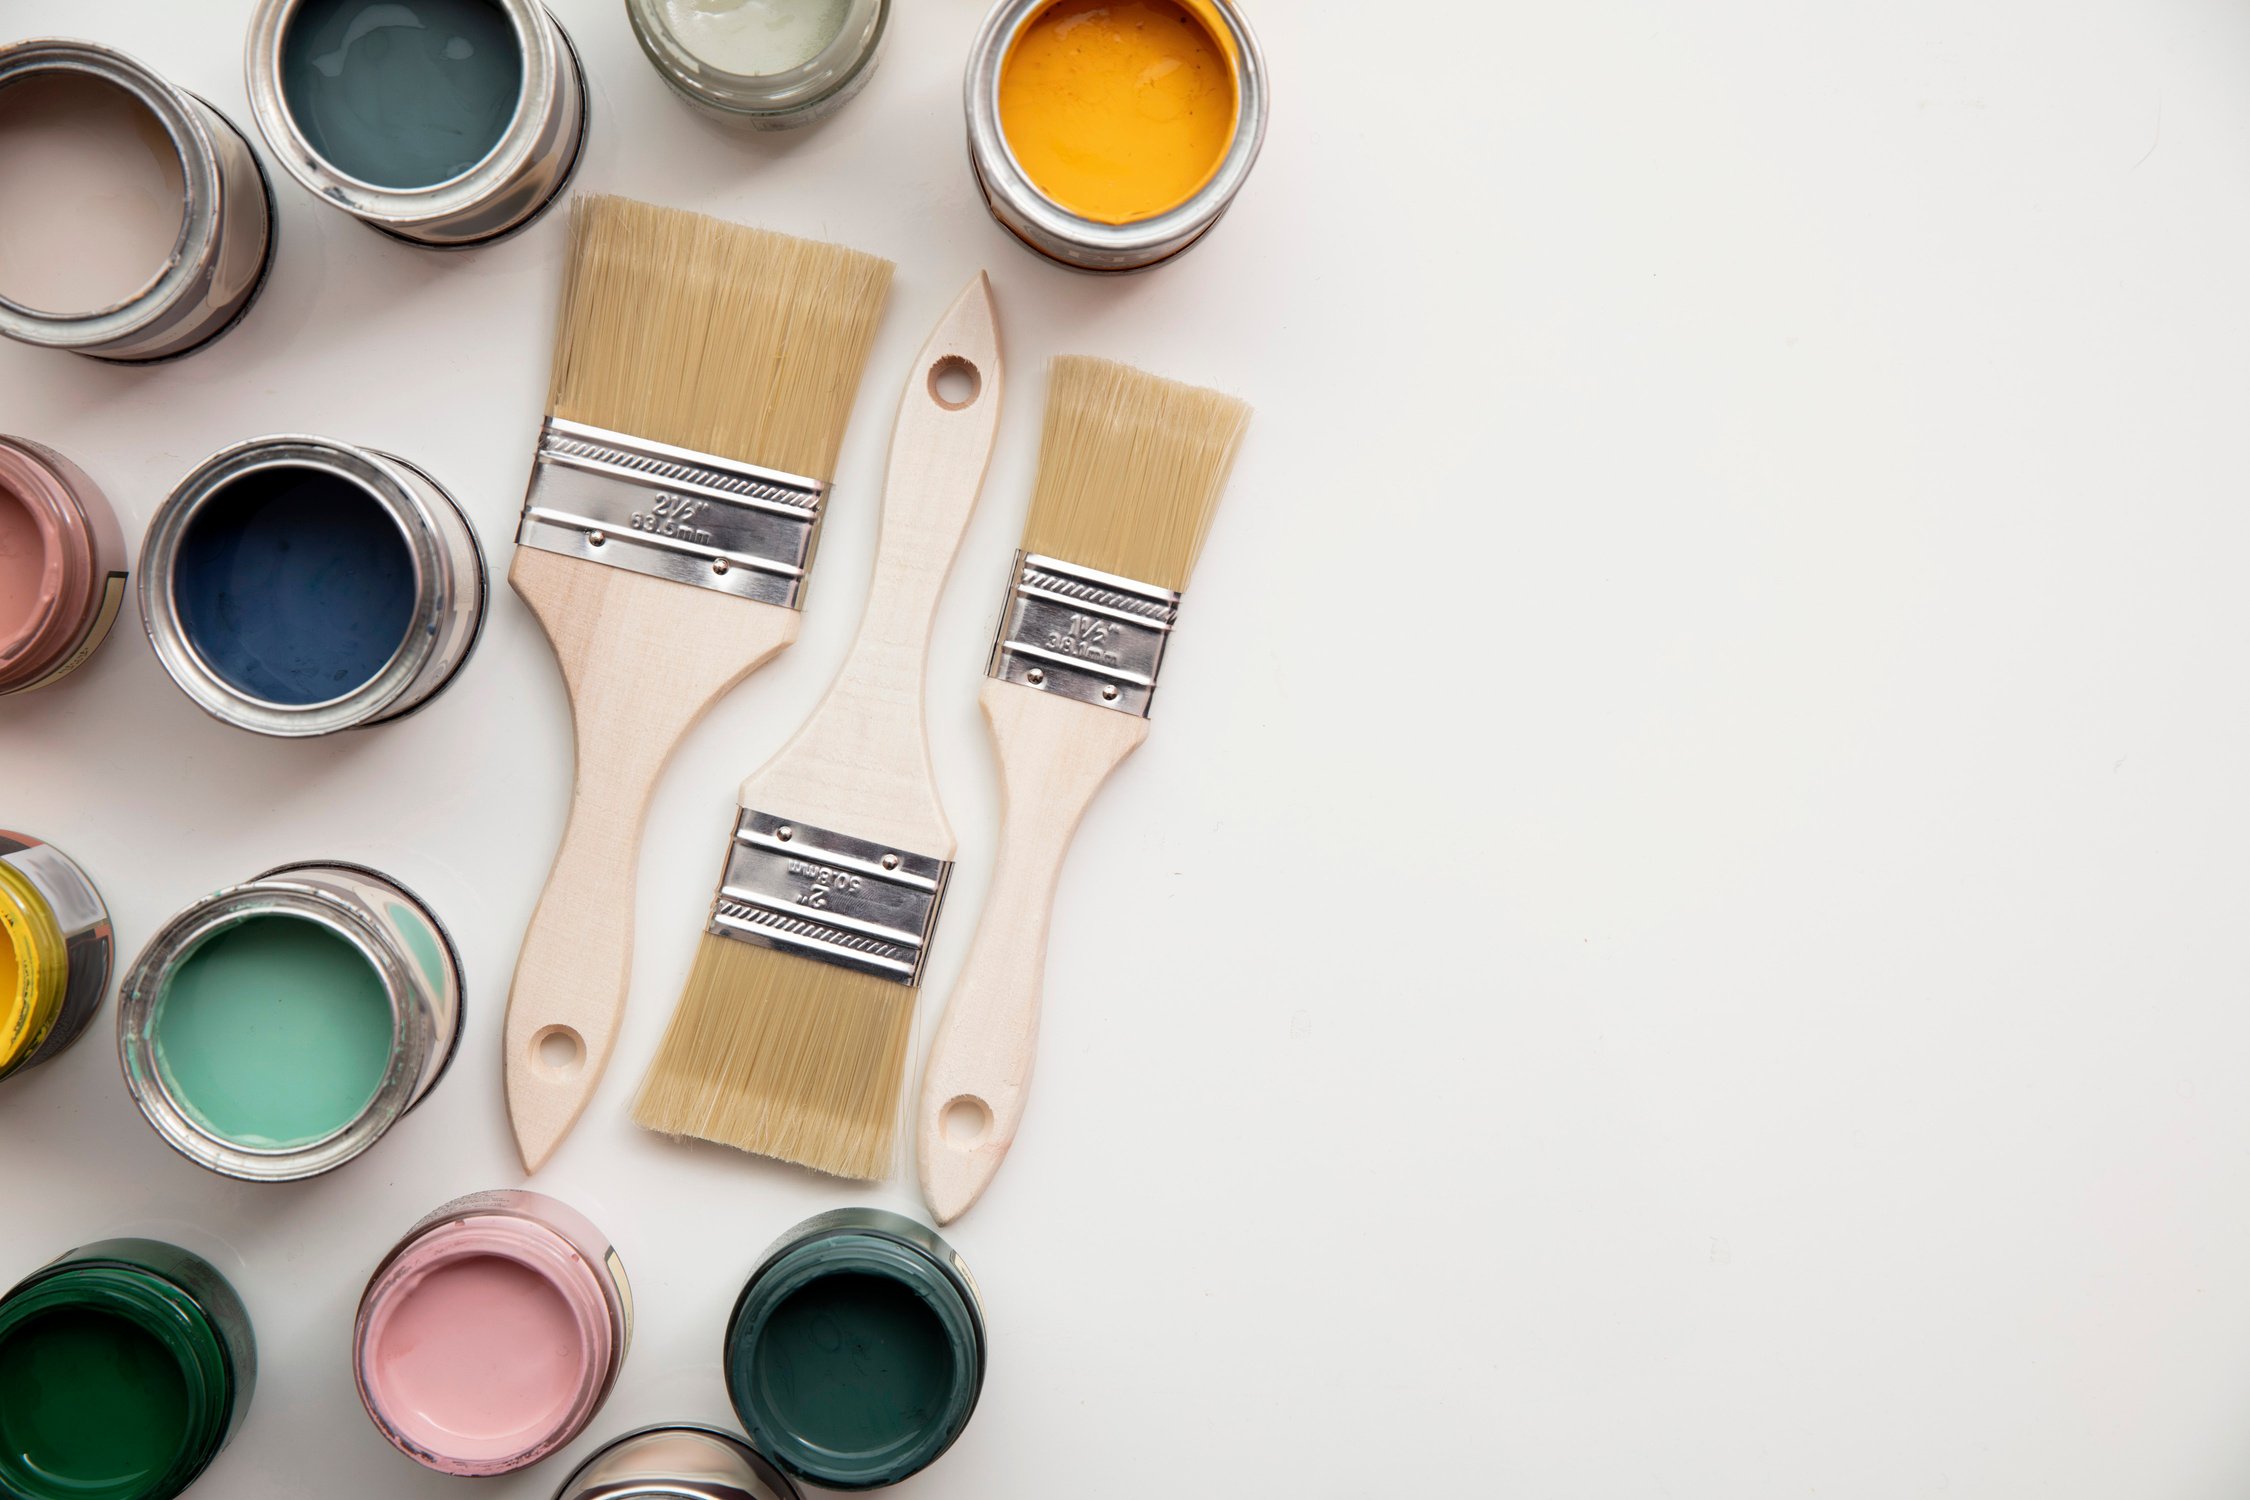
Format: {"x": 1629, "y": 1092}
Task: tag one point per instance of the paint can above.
{"x": 278, "y": 1029}
{"x": 125, "y": 1368}
{"x": 101, "y": 140}
{"x": 62, "y": 566}
{"x": 449, "y": 123}
{"x": 296, "y": 586}
{"x": 856, "y": 1352}
{"x": 678, "y": 1463}
{"x": 492, "y": 1334}
{"x": 773, "y": 67}
{"x": 55, "y": 951}
{"x": 1019, "y": 151}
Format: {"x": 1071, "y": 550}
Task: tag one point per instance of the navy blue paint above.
{"x": 294, "y": 585}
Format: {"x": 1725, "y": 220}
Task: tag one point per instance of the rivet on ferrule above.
{"x": 1083, "y": 634}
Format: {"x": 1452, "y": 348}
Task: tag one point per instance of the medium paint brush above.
{"x": 1131, "y": 468}
{"x": 703, "y": 375}
{"x": 791, "y": 1036}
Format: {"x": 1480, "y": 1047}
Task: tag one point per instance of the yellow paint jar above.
{"x": 1110, "y": 135}
{"x": 55, "y": 951}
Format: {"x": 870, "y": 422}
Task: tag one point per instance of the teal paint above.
{"x": 856, "y": 1352}
{"x": 125, "y": 1367}
{"x": 275, "y": 1032}
{"x": 401, "y": 95}
{"x": 421, "y": 941}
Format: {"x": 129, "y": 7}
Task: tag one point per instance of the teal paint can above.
{"x": 856, "y": 1352}
{"x": 125, "y": 1368}
{"x": 277, "y": 1029}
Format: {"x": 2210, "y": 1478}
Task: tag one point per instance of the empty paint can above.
{"x": 856, "y": 1353}
{"x": 55, "y": 950}
{"x": 135, "y": 221}
{"x": 277, "y": 1029}
{"x": 125, "y": 1367}
{"x": 442, "y": 122}
{"x": 678, "y": 1463}
{"x": 296, "y": 586}
{"x": 492, "y": 1334}
{"x": 62, "y": 566}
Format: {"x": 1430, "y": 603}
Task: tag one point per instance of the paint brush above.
{"x": 703, "y": 375}
{"x": 1131, "y": 468}
{"x": 791, "y": 1036}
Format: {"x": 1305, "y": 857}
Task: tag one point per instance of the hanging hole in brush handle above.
{"x": 954, "y": 382}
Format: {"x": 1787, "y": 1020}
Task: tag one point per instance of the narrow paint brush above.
{"x": 703, "y": 375}
{"x": 791, "y": 1036}
{"x": 1130, "y": 470}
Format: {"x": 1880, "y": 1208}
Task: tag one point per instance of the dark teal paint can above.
{"x": 856, "y": 1353}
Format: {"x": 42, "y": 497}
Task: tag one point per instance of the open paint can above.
{"x": 678, "y": 1463}
{"x": 767, "y": 64}
{"x": 55, "y": 951}
{"x": 445, "y": 123}
{"x": 125, "y": 1367}
{"x": 856, "y": 1353}
{"x": 1110, "y": 135}
{"x": 62, "y": 566}
{"x": 277, "y": 1029}
{"x": 135, "y": 221}
{"x": 492, "y": 1334}
{"x": 296, "y": 586}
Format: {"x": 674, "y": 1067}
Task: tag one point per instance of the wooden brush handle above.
{"x": 861, "y": 763}
{"x": 1054, "y": 755}
{"x": 643, "y": 659}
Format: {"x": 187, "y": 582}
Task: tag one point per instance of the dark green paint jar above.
{"x": 125, "y": 1367}
{"x": 856, "y": 1353}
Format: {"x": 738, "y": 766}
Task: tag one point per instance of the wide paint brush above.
{"x": 792, "y": 1033}
{"x": 703, "y": 375}
{"x": 1131, "y": 468}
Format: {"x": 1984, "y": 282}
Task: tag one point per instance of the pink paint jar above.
{"x": 62, "y": 566}
{"x": 492, "y": 1334}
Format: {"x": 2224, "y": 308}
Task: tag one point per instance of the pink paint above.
{"x": 62, "y": 566}
{"x": 492, "y": 1334}
{"x": 28, "y": 584}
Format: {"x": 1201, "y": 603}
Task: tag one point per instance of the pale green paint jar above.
{"x": 277, "y": 1029}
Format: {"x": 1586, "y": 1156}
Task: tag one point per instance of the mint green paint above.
{"x": 274, "y": 1033}
{"x": 420, "y": 941}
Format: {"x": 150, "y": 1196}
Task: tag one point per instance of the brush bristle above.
{"x": 783, "y": 1056}
{"x": 733, "y": 341}
{"x": 1131, "y": 467}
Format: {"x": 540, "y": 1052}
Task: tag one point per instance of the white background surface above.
{"x": 1680, "y": 929}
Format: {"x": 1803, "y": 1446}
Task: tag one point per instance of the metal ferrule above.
{"x": 1068, "y": 238}
{"x": 524, "y": 172}
{"x": 450, "y": 587}
{"x": 398, "y": 936}
{"x": 678, "y": 1463}
{"x": 218, "y": 264}
{"x": 1083, "y": 634}
{"x": 672, "y": 513}
{"x": 826, "y": 895}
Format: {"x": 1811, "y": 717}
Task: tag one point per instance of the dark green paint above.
{"x": 401, "y": 93}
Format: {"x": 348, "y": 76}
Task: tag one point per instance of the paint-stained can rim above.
{"x": 659, "y": 1463}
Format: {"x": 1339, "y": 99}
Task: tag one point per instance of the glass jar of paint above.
{"x": 62, "y": 566}
{"x": 54, "y": 951}
{"x": 296, "y": 586}
{"x": 276, "y": 1030}
{"x": 492, "y": 1334}
{"x": 1111, "y": 135}
{"x": 768, "y": 64}
{"x": 135, "y": 221}
{"x": 125, "y": 1367}
{"x": 444, "y": 123}
{"x": 855, "y": 1354}
{"x": 678, "y": 1463}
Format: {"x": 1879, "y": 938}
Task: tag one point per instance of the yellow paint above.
{"x": 1119, "y": 109}
{"x": 33, "y": 969}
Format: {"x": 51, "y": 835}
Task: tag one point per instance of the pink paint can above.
{"x": 492, "y": 1334}
{"x": 62, "y": 566}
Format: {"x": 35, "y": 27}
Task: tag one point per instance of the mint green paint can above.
{"x": 856, "y": 1353}
{"x": 277, "y": 1029}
